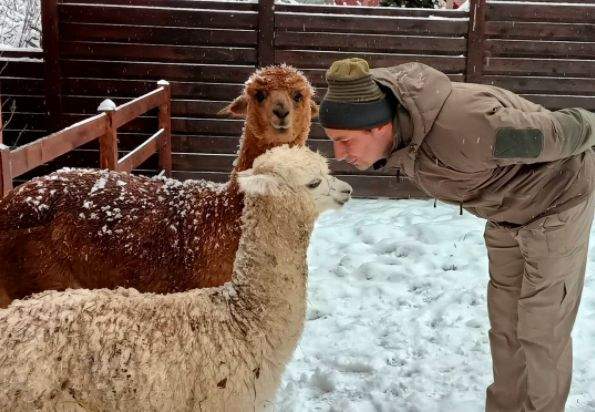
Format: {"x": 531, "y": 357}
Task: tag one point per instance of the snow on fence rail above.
{"x": 104, "y": 126}
{"x": 118, "y": 48}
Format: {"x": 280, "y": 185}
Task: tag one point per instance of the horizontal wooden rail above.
{"x": 15, "y": 163}
{"x": 141, "y": 153}
{"x": 29, "y": 156}
{"x": 133, "y": 109}
{"x": 160, "y": 142}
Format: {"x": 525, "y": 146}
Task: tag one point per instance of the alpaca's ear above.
{"x": 257, "y": 184}
{"x": 314, "y": 109}
{"x": 237, "y": 108}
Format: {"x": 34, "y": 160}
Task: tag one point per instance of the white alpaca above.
{"x": 216, "y": 349}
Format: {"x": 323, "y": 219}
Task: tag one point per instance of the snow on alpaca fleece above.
{"x": 111, "y": 229}
{"x": 126, "y": 243}
{"x": 206, "y": 349}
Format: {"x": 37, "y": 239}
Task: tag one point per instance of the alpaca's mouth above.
{"x": 281, "y": 128}
{"x": 341, "y": 202}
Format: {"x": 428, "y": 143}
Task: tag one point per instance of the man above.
{"x": 527, "y": 170}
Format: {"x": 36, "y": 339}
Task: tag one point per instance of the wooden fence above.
{"x": 207, "y": 49}
{"x": 23, "y": 96}
{"x": 104, "y": 127}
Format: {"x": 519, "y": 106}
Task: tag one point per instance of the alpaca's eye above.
{"x": 314, "y": 184}
{"x": 260, "y": 96}
{"x": 298, "y": 97}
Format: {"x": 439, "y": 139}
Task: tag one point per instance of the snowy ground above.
{"x": 397, "y": 317}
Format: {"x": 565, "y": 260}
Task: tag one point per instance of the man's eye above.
{"x": 314, "y": 184}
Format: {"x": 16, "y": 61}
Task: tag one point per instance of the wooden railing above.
{"x": 14, "y": 163}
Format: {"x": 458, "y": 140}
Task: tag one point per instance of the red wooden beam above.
{"x": 1, "y": 124}
{"x": 51, "y": 48}
{"x": 5, "y": 173}
{"x": 165, "y": 160}
{"x": 266, "y": 32}
{"x": 475, "y": 41}
{"x": 43, "y": 150}
{"x": 141, "y": 153}
{"x": 134, "y": 108}
{"x": 108, "y": 142}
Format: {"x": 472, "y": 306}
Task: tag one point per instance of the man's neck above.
{"x": 402, "y": 130}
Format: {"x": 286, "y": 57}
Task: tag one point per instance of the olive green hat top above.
{"x": 350, "y": 81}
{"x": 348, "y": 69}
{"x": 353, "y": 99}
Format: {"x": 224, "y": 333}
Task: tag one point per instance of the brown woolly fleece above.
{"x": 214, "y": 349}
{"x": 96, "y": 229}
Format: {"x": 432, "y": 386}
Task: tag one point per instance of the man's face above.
{"x": 362, "y": 148}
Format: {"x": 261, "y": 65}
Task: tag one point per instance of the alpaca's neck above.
{"x": 271, "y": 265}
{"x": 250, "y": 149}
{"x": 251, "y": 146}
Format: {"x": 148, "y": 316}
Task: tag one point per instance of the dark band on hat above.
{"x": 356, "y": 116}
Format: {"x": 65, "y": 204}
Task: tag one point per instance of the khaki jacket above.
{"x": 500, "y": 156}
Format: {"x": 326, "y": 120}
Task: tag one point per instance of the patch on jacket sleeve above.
{"x": 519, "y": 143}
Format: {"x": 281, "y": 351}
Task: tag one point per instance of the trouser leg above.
{"x": 555, "y": 252}
{"x": 506, "y": 266}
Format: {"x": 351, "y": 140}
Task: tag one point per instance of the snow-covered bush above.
{"x": 20, "y": 23}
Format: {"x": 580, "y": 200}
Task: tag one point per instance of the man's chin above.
{"x": 362, "y": 166}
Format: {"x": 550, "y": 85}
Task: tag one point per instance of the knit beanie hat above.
{"x": 353, "y": 100}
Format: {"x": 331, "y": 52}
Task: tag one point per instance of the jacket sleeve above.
{"x": 543, "y": 136}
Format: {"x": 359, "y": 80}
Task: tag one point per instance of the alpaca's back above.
{"x": 93, "y": 229}
{"x": 120, "y": 350}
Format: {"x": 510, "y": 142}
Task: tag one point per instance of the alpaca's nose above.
{"x": 281, "y": 113}
{"x": 343, "y": 188}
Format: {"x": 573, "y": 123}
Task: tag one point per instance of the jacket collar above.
{"x": 422, "y": 91}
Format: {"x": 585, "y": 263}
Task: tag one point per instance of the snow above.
{"x": 7, "y": 47}
{"x": 99, "y": 184}
{"x": 465, "y": 6}
{"x": 20, "y": 23}
{"x": 397, "y": 317}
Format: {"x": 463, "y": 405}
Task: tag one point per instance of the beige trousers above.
{"x": 537, "y": 274}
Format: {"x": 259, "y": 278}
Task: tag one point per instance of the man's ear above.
{"x": 378, "y": 129}
{"x": 257, "y": 184}
{"x": 237, "y": 108}
{"x": 313, "y": 109}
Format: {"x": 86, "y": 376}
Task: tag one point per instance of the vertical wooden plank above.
{"x": 476, "y": 41}
{"x": 108, "y": 143}
{"x": 1, "y": 124}
{"x": 164, "y": 147}
{"x": 266, "y": 32}
{"x": 51, "y": 55}
{"x": 5, "y": 172}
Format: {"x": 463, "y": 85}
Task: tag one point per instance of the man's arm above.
{"x": 544, "y": 136}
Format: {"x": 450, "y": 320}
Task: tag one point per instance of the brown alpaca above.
{"x": 98, "y": 229}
